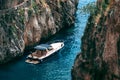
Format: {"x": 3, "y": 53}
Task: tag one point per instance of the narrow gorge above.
{"x": 90, "y": 30}
{"x": 24, "y": 23}
{"x": 100, "y": 48}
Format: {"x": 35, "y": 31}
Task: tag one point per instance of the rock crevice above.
{"x": 100, "y": 55}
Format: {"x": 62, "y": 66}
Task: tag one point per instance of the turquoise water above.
{"x": 56, "y": 67}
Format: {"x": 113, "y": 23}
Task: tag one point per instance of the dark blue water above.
{"x": 56, "y": 67}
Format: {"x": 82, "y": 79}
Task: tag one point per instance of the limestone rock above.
{"x": 100, "y": 55}
{"x": 23, "y": 23}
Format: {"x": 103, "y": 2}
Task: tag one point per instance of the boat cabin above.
{"x": 42, "y": 50}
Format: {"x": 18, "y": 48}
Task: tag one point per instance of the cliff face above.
{"x": 5, "y": 4}
{"x": 24, "y": 24}
{"x": 100, "y": 55}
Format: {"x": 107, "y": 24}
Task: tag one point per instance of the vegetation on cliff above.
{"x": 24, "y": 23}
{"x": 100, "y": 52}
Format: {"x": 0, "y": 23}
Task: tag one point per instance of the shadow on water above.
{"x": 56, "y": 67}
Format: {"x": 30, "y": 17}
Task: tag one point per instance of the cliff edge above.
{"x": 100, "y": 52}
{"x": 24, "y": 23}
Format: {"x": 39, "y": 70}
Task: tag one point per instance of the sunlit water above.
{"x": 56, "y": 67}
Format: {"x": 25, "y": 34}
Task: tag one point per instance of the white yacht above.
{"x": 43, "y": 51}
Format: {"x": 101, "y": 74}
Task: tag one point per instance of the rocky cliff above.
{"x": 23, "y": 23}
{"x": 100, "y": 52}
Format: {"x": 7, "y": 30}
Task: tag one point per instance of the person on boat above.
{"x": 45, "y": 52}
{"x": 38, "y": 52}
{"x": 32, "y": 55}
